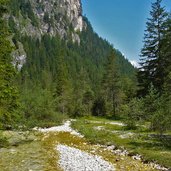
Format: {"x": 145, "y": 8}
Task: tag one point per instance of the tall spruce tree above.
{"x": 63, "y": 86}
{"x": 151, "y": 53}
{"x": 8, "y": 92}
{"x": 111, "y": 84}
{"x": 165, "y": 61}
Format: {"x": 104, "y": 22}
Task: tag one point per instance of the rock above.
{"x": 112, "y": 147}
{"x": 137, "y": 157}
{"x": 52, "y": 17}
{"x": 120, "y": 152}
{"x": 158, "y": 167}
{"x": 99, "y": 128}
{"x": 127, "y": 135}
{"x": 77, "y": 160}
{"x": 63, "y": 128}
{"x": 15, "y": 138}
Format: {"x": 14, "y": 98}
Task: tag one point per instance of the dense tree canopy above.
{"x": 62, "y": 77}
{"x": 8, "y": 92}
{"x": 154, "y": 74}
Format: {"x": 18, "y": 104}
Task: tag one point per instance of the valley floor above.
{"x": 62, "y": 148}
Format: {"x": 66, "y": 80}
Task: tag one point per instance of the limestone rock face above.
{"x": 54, "y": 17}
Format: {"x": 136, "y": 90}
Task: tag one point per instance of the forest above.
{"x": 62, "y": 79}
{"x": 65, "y": 78}
{"x": 93, "y": 78}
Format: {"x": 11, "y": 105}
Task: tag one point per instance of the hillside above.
{"x": 63, "y": 22}
{"x": 70, "y": 101}
{"x": 58, "y": 55}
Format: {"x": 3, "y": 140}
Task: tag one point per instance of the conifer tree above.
{"x": 151, "y": 53}
{"x": 111, "y": 84}
{"x": 165, "y": 68}
{"x": 63, "y": 87}
{"x": 8, "y": 92}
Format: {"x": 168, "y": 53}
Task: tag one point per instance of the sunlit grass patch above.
{"x": 120, "y": 162}
{"x": 140, "y": 143}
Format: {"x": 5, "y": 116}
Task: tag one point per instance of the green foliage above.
{"x": 67, "y": 70}
{"x": 141, "y": 142}
{"x": 63, "y": 88}
{"x": 128, "y": 87}
{"x": 3, "y": 7}
{"x": 46, "y": 17}
{"x": 8, "y": 92}
{"x": 111, "y": 85}
{"x": 161, "y": 119}
{"x": 39, "y": 108}
{"x": 134, "y": 112}
{"x": 24, "y": 8}
{"x": 3, "y": 141}
{"x": 88, "y": 98}
{"x": 154, "y": 75}
{"x": 151, "y": 70}
{"x": 150, "y": 103}
{"x": 68, "y": 74}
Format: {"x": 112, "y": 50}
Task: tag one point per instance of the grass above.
{"x": 3, "y": 140}
{"x": 152, "y": 149}
{"x": 123, "y": 162}
{"x": 54, "y": 120}
{"x": 41, "y": 153}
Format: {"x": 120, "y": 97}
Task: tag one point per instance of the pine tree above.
{"x": 165, "y": 61}
{"x": 8, "y": 92}
{"x": 88, "y": 100}
{"x": 111, "y": 84}
{"x": 151, "y": 53}
{"x": 63, "y": 86}
{"x": 82, "y": 94}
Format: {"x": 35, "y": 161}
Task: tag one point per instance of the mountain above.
{"x": 59, "y": 57}
{"x": 53, "y": 17}
{"x": 37, "y": 18}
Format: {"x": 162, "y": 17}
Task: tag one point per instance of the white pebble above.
{"x": 72, "y": 159}
{"x": 63, "y": 128}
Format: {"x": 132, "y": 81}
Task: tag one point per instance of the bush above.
{"x": 3, "y": 141}
{"x": 133, "y": 112}
{"x": 39, "y": 109}
{"x": 161, "y": 120}
{"x": 56, "y": 119}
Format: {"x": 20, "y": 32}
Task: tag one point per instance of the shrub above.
{"x": 133, "y": 112}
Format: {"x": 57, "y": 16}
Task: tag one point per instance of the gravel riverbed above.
{"x": 66, "y": 127}
{"x": 72, "y": 159}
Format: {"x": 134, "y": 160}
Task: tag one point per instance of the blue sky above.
{"x": 121, "y": 22}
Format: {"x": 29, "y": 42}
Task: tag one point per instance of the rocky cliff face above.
{"x": 38, "y": 17}
{"x": 50, "y": 16}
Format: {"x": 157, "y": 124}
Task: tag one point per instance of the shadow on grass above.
{"x": 158, "y": 144}
{"x": 165, "y": 140}
{"x": 116, "y": 118}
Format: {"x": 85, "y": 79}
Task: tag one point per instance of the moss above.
{"x": 121, "y": 163}
{"x": 3, "y": 140}
{"x": 42, "y": 153}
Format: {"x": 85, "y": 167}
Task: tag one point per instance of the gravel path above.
{"x": 66, "y": 127}
{"x": 110, "y": 123}
{"x": 72, "y": 159}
